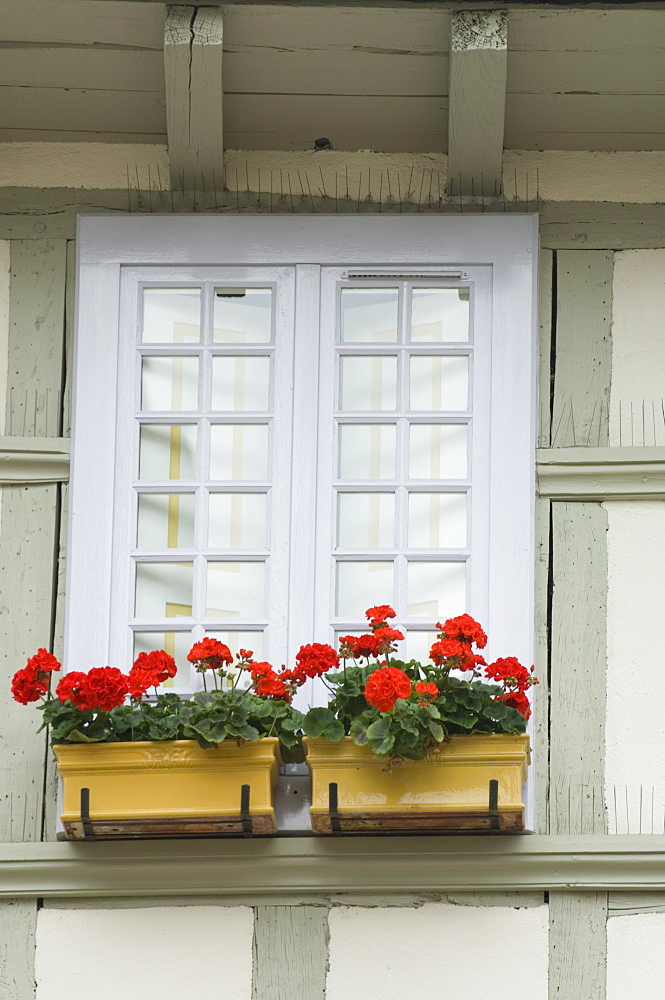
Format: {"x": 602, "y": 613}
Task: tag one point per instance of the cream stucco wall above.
{"x": 636, "y": 957}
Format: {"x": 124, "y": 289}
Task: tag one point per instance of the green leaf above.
{"x": 317, "y": 721}
{"x": 437, "y": 731}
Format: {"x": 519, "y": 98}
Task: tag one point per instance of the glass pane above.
{"x": 239, "y": 451}
{"x": 238, "y": 521}
{"x": 367, "y": 451}
{"x": 361, "y": 585}
{"x": 418, "y": 645}
{"x": 242, "y": 315}
{"x": 167, "y": 451}
{"x": 165, "y": 521}
{"x": 176, "y": 644}
{"x": 440, "y": 314}
{"x": 435, "y": 590}
{"x": 439, "y": 383}
{"x": 236, "y": 590}
{"x": 369, "y": 315}
{"x": 368, "y": 383}
{"x": 240, "y": 383}
{"x": 241, "y": 640}
{"x": 171, "y": 316}
{"x": 366, "y": 520}
{"x": 169, "y": 383}
{"x": 164, "y": 590}
{"x": 437, "y": 451}
{"x": 437, "y": 520}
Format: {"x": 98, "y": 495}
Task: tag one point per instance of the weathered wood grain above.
{"x": 91, "y": 23}
{"x": 578, "y": 668}
{"x": 583, "y": 347}
{"x": 539, "y": 775}
{"x": 81, "y": 68}
{"x": 290, "y": 952}
{"x": 546, "y": 264}
{"x": 18, "y": 919}
{"x": 81, "y": 112}
{"x": 622, "y": 904}
{"x": 578, "y": 945}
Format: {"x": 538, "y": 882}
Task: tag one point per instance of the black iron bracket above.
{"x": 245, "y": 818}
{"x": 333, "y": 808}
{"x": 85, "y": 815}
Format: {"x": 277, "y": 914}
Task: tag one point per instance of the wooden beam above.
{"x": 450, "y": 4}
{"x": 477, "y": 101}
{"x": 194, "y": 95}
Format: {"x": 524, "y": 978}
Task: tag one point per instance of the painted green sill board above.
{"x": 25, "y": 460}
{"x": 598, "y": 474}
{"x": 309, "y": 865}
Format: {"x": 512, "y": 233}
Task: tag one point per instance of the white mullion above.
{"x": 199, "y": 583}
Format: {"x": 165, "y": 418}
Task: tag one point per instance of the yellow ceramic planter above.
{"x": 175, "y": 787}
{"x": 448, "y": 792}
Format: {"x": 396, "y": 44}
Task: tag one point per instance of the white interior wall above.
{"x": 636, "y": 957}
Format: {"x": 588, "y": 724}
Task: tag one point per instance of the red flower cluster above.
{"x": 268, "y": 683}
{"x": 517, "y": 678}
{"x": 100, "y": 690}
{"x": 32, "y": 682}
{"x": 210, "y": 654}
{"x": 314, "y": 660}
{"x": 378, "y": 615}
{"x": 385, "y": 686}
{"x": 423, "y": 688}
{"x": 453, "y": 647}
{"x": 465, "y": 628}
{"x": 150, "y": 670}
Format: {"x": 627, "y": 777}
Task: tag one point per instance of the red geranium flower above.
{"x": 316, "y": 659}
{"x": 71, "y": 687}
{"x": 518, "y": 700}
{"x": 450, "y": 649}
{"x": 466, "y": 629}
{"x": 150, "y": 670}
{"x": 43, "y": 660}
{"x": 387, "y": 638}
{"x": 423, "y": 688}
{"x": 379, "y": 615}
{"x": 510, "y": 671}
{"x": 210, "y": 654}
{"x": 385, "y": 686}
{"x": 29, "y": 684}
{"x": 105, "y": 689}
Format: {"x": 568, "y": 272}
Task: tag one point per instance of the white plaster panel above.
{"x": 4, "y": 328}
{"x": 158, "y": 953}
{"x": 638, "y": 348}
{"x": 90, "y": 165}
{"x": 563, "y": 175}
{"x": 438, "y": 950}
{"x": 636, "y": 957}
{"x": 635, "y": 726}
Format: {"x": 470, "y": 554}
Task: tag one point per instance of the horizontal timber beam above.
{"x": 294, "y": 866}
{"x": 597, "y": 474}
{"x": 444, "y": 4}
{"x": 32, "y": 460}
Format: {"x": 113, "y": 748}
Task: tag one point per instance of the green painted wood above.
{"x": 540, "y": 694}
{"x": 545, "y": 374}
{"x": 623, "y": 904}
{"x": 583, "y": 348}
{"x": 26, "y": 460}
{"x": 578, "y": 669}
{"x": 578, "y": 945}
{"x": 582, "y": 474}
{"x": 17, "y": 949}
{"x": 290, "y": 953}
{"x": 297, "y": 868}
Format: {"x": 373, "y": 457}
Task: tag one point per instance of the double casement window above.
{"x": 282, "y": 421}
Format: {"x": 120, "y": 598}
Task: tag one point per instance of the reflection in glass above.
{"x": 369, "y": 315}
{"x": 176, "y": 644}
{"x": 239, "y": 451}
{"x": 439, "y": 383}
{"x": 440, "y": 314}
{"x": 165, "y": 521}
{"x": 171, "y": 316}
{"x": 169, "y": 383}
{"x": 368, "y": 383}
{"x": 437, "y": 451}
{"x": 418, "y": 645}
{"x": 367, "y": 451}
{"x": 167, "y": 451}
{"x": 242, "y": 315}
{"x": 435, "y": 590}
{"x": 437, "y": 520}
{"x": 163, "y": 590}
{"x": 240, "y": 383}
{"x": 366, "y": 520}
{"x": 237, "y": 521}
{"x": 235, "y": 590}
{"x": 361, "y": 585}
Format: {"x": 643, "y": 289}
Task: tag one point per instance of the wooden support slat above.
{"x": 194, "y": 114}
{"x": 282, "y": 968}
{"x": 477, "y": 101}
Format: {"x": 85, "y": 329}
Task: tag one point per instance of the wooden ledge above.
{"x": 33, "y": 460}
{"x": 601, "y": 473}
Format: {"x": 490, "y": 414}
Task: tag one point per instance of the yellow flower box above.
{"x": 172, "y": 788}
{"x": 449, "y": 792}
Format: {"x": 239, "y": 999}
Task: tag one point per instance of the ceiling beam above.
{"x": 446, "y": 4}
{"x": 477, "y": 101}
{"x": 194, "y": 97}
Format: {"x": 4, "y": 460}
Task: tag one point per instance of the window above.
{"x": 280, "y": 421}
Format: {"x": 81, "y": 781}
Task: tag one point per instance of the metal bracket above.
{"x": 494, "y": 806}
{"x": 85, "y": 815}
{"x": 246, "y": 819}
{"x": 335, "y": 824}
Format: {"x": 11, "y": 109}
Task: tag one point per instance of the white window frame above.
{"x": 107, "y": 245}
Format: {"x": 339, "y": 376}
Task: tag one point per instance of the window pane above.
{"x": 241, "y": 640}
{"x": 239, "y": 451}
{"x": 366, "y": 520}
{"x": 418, "y": 645}
{"x": 236, "y": 590}
{"x": 240, "y": 383}
{"x": 237, "y": 521}
{"x": 169, "y": 383}
{"x": 171, "y": 316}
{"x": 176, "y": 644}
{"x": 437, "y": 520}
{"x": 435, "y": 589}
{"x": 369, "y": 315}
{"x": 439, "y": 383}
{"x": 368, "y": 383}
{"x": 242, "y": 315}
{"x": 163, "y": 590}
{"x": 167, "y": 451}
{"x": 440, "y": 314}
{"x": 361, "y": 585}
{"x": 437, "y": 451}
{"x": 165, "y": 521}
{"x": 367, "y": 451}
